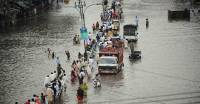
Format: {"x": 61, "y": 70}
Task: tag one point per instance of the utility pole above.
{"x": 80, "y": 5}
{"x": 104, "y": 5}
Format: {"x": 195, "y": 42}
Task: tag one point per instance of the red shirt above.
{"x": 37, "y": 100}
{"x": 27, "y": 102}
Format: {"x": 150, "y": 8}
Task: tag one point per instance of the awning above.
{"x": 21, "y": 4}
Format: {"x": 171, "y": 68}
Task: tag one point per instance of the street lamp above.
{"x": 104, "y": 4}
{"x": 90, "y": 6}
{"x": 81, "y": 6}
{"x": 83, "y": 30}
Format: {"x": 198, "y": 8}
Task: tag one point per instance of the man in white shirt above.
{"x": 54, "y": 75}
{"x": 46, "y": 80}
{"x": 51, "y": 76}
{"x": 57, "y": 61}
{"x": 100, "y": 33}
{"x": 104, "y": 28}
{"x": 109, "y": 43}
{"x": 90, "y": 35}
{"x": 91, "y": 62}
{"x": 112, "y": 26}
{"x": 125, "y": 43}
{"x": 64, "y": 81}
{"x": 81, "y": 74}
{"x": 32, "y": 101}
{"x": 102, "y": 39}
{"x": 117, "y": 3}
{"x": 105, "y": 44}
{"x": 57, "y": 89}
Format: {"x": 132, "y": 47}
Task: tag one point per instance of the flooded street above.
{"x": 168, "y": 72}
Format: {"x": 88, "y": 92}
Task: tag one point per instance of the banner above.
{"x": 84, "y": 33}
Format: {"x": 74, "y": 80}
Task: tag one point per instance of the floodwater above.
{"x": 168, "y": 72}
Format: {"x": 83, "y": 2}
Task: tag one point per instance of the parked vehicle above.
{"x": 134, "y": 54}
{"x": 96, "y": 83}
{"x": 130, "y": 33}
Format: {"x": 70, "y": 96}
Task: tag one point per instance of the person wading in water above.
{"x": 53, "y": 55}
{"x": 59, "y": 70}
{"x": 49, "y": 52}
{"x": 97, "y": 25}
{"x": 80, "y": 94}
{"x": 68, "y": 55}
{"x": 147, "y": 23}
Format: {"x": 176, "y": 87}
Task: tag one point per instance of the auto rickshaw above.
{"x": 135, "y": 55}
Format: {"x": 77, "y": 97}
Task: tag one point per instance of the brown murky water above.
{"x": 167, "y": 73}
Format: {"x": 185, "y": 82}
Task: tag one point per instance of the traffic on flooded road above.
{"x": 103, "y": 52}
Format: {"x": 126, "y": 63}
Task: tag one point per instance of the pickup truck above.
{"x": 111, "y": 59}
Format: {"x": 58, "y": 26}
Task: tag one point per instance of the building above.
{"x": 12, "y": 10}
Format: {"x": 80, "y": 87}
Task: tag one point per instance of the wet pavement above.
{"x": 168, "y": 72}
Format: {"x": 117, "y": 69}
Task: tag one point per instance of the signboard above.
{"x": 84, "y": 33}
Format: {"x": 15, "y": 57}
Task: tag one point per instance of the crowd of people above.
{"x": 37, "y": 100}
{"x": 115, "y": 12}
{"x": 56, "y": 81}
{"x": 83, "y": 69}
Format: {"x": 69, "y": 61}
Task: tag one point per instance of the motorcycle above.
{"x": 96, "y": 83}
